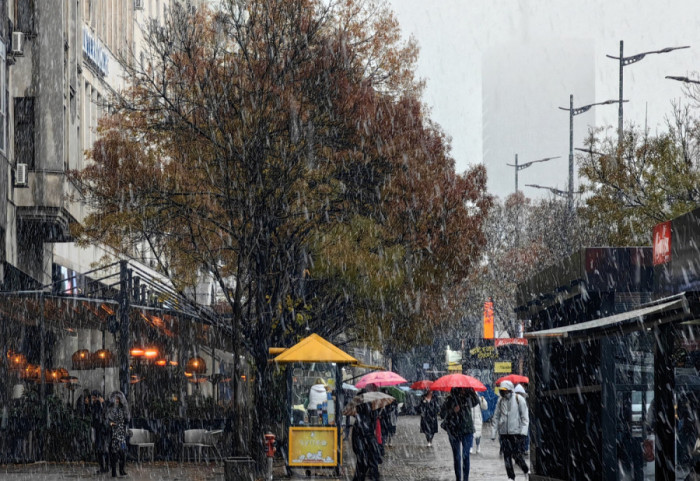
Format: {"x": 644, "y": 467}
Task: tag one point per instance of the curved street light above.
{"x": 683, "y": 79}
{"x": 624, "y": 61}
{"x": 519, "y": 167}
{"x": 576, "y": 111}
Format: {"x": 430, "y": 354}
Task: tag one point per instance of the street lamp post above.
{"x": 624, "y": 61}
{"x": 576, "y": 111}
{"x": 519, "y": 167}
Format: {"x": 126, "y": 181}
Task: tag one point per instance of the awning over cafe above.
{"x": 660, "y": 312}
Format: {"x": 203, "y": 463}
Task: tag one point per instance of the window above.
{"x": 25, "y": 16}
{"x": 24, "y": 131}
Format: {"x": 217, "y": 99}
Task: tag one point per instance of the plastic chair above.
{"x": 142, "y": 439}
{"x": 193, "y": 438}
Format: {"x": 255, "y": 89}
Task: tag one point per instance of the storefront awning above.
{"x": 658, "y": 313}
{"x": 315, "y": 349}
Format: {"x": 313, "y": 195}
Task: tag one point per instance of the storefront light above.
{"x": 150, "y": 353}
{"x": 137, "y": 352}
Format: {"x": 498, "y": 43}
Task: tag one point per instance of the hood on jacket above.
{"x": 519, "y": 389}
{"x": 319, "y": 388}
{"x": 507, "y": 386}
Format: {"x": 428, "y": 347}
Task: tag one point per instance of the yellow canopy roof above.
{"x": 315, "y": 349}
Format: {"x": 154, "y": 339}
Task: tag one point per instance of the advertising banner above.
{"x": 313, "y": 446}
{"x": 488, "y": 319}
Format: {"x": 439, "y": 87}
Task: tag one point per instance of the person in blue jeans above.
{"x": 456, "y": 413}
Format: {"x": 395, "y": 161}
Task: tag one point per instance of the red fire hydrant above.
{"x": 270, "y": 452}
{"x": 270, "y": 442}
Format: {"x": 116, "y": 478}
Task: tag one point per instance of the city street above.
{"x": 408, "y": 459}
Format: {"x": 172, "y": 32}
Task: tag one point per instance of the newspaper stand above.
{"x": 313, "y": 442}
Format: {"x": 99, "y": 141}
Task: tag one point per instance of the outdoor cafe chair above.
{"x": 200, "y": 440}
{"x": 142, "y": 439}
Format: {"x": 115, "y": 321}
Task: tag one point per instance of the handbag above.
{"x": 648, "y": 450}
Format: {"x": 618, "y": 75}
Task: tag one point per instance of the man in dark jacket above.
{"x": 364, "y": 444}
{"x": 101, "y": 430}
{"x": 457, "y": 414}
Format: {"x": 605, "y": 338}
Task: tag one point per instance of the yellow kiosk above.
{"x": 315, "y": 431}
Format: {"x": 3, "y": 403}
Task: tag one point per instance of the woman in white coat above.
{"x": 478, "y": 422}
{"x": 511, "y": 421}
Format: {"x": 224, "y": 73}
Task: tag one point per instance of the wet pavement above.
{"x": 407, "y": 459}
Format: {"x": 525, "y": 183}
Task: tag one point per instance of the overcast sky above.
{"x": 462, "y": 41}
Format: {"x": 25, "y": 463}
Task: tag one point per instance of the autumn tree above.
{"x": 281, "y": 147}
{"x": 524, "y": 236}
{"x": 652, "y": 178}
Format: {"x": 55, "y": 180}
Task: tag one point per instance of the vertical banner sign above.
{"x": 662, "y": 243}
{"x": 488, "y": 319}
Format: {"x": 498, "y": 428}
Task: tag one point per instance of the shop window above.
{"x": 24, "y": 131}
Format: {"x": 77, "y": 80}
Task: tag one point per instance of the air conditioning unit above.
{"x": 21, "y": 175}
{"x": 17, "y": 44}
{"x": 138, "y": 4}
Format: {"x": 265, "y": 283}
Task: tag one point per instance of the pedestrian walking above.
{"x": 456, "y": 413}
{"x": 364, "y": 444}
{"x": 478, "y": 420}
{"x": 511, "y": 421}
{"x": 100, "y": 430}
{"x": 118, "y": 416}
{"x": 388, "y": 422}
{"x": 429, "y": 409}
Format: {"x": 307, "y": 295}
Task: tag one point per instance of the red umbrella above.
{"x": 380, "y": 378}
{"x": 446, "y": 383}
{"x": 421, "y": 385}
{"x": 514, "y": 378}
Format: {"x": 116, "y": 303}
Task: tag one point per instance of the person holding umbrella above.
{"x": 456, "y": 412}
{"x": 365, "y": 445}
{"x": 511, "y": 420}
{"x": 429, "y": 408}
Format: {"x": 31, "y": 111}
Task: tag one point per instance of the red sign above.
{"x": 662, "y": 243}
{"x": 504, "y": 341}
{"x": 488, "y": 319}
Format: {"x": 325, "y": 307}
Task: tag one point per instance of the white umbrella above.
{"x": 376, "y": 399}
{"x": 349, "y": 387}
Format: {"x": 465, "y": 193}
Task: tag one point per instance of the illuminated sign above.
{"x": 313, "y": 446}
{"x": 95, "y": 51}
{"x": 502, "y": 367}
{"x": 488, "y": 319}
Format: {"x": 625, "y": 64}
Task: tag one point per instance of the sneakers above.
{"x": 478, "y": 449}
{"x": 471, "y": 450}
{"x": 430, "y": 444}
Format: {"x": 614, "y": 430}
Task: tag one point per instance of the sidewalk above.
{"x": 408, "y": 459}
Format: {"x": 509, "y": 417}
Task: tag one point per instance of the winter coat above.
{"x": 459, "y": 424}
{"x": 477, "y": 417}
{"x": 428, "y": 415}
{"x": 511, "y": 416}
{"x": 364, "y": 440}
{"x": 317, "y": 395}
{"x": 118, "y": 417}
{"x": 101, "y": 426}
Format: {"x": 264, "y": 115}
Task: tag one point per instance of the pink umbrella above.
{"x": 446, "y": 383}
{"x": 380, "y": 378}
